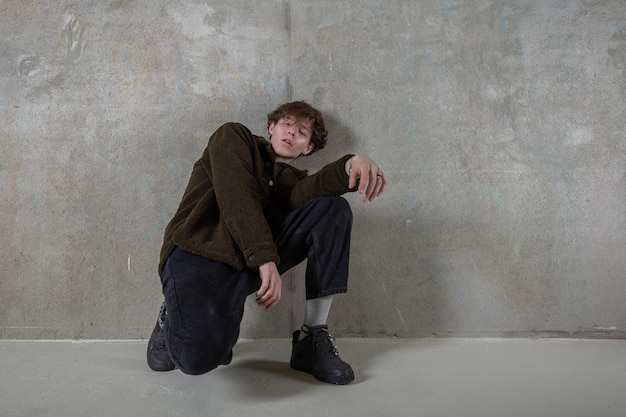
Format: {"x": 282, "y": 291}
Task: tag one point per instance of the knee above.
{"x": 338, "y": 208}
{"x": 201, "y": 364}
{"x": 196, "y": 368}
{"x": 201, "y": 353}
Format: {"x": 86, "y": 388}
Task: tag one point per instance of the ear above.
{"x": 271, "y": 128}
{"x": 309, "y": 149}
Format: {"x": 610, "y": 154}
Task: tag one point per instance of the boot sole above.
{"x": 154, "y": 363}
{"x": 303, "y": 366}
{"x": 157, "y": 365}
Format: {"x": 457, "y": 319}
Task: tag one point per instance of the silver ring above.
{"x": 378, "y": 176}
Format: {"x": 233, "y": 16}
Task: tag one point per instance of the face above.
{"x": 290, "y": 138}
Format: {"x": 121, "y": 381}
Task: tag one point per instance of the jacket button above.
{"x": 251, "y": 258}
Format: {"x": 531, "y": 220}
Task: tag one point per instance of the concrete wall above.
{"x": 500, "y": 124}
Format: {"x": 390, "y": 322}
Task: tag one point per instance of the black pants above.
{"x": 205, "y": 299}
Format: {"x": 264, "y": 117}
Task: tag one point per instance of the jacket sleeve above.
{"x": 331, "y": 180}
{"x": 239, "y": 193}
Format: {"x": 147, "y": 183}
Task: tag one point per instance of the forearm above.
{"x": 331, "y": 180}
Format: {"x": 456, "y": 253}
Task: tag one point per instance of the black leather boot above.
{"x": 317, "y": 355}
{"x": 157, "y": 354}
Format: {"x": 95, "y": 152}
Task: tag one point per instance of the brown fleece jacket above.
{"x": 236, "y": 194}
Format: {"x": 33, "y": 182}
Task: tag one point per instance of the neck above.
{"x": 284, "y": 160}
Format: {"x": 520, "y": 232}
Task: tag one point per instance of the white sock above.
{"x": 316, "y": 312}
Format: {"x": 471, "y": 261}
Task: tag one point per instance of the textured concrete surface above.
{"x": 430, "y": 378}
{"x": 500, "y": 124}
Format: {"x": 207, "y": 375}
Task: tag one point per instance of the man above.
{"x": 246, "y": 217}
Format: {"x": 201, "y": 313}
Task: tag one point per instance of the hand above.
{"x": 271, "y": 286}
{"x": 370, "y": 176}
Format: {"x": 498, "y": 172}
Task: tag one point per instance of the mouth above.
{"x": 287, "y": 142}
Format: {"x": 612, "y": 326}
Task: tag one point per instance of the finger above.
{"x": 274, "y": 301}
{"x": 374, "y": 193}
{"x": 382, "y": 187}
{"x": 263, "y": 289}
{"x": 372, "y": 184}
{"x": 380, "y": 184}
{"x": 261, "y": 296}
{"x": 270, "y": 302}
{"x": 362, "y": 183}
{"x": 353, "y": 179}
{"x": 366, "y": 180}
{"x": 264, "y": 292}
{"x": 378, "y": 190}
{"x": 267, "y": 295}
{"x": 272, "y": 295}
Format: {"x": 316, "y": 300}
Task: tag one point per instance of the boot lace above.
{"x": 162, "y": 315}
{"x": 325, "y": 343}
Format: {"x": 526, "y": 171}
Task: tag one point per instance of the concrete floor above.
{"x": 439, "y": 377}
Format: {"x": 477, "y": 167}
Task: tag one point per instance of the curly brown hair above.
{"x": 301, "y": 110}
